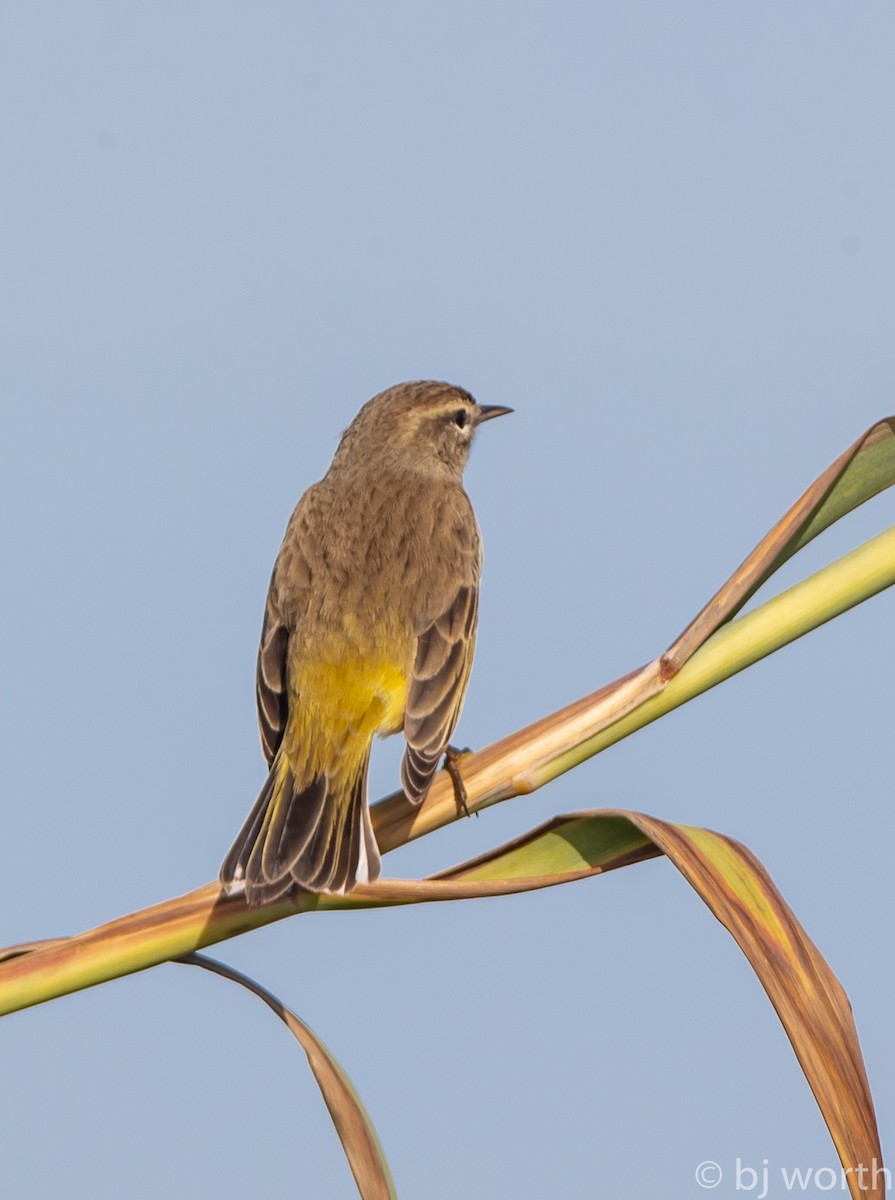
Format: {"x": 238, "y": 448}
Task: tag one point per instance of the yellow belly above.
{"x": 335, "y": 708}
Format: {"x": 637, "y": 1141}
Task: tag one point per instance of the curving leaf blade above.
{"x": 353, "y": 1125}
{"x": 810, "y": 1001}
{"x": 862, "y": 471}
{"x": 807, "y": 996}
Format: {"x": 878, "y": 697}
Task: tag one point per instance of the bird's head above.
{"x": 423, "y": 425}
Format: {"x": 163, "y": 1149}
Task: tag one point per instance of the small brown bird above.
{"x": 369, "y": 628}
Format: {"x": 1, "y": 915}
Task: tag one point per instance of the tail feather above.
{"x": 310, "y": 837}
{"x": 330, "y": 859}
{"x": 288, "y": 825}
{"x": 233, "y": 868}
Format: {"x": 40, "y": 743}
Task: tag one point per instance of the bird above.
{"x": 369, "y": 628}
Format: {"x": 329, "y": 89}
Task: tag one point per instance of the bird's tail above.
{"x": 317, "y": 837}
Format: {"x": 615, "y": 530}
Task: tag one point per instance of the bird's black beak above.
{"x": 487, "y": 411}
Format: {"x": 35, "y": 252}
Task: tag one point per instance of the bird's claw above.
{"x": 452, "y": 759}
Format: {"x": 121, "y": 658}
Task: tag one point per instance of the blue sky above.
{"x": 663, "y": 234}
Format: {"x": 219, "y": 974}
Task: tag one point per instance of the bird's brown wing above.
{"x": 286, "y": 600}
{"x": 270, "y": 677}
{"x": 437, "y": 687}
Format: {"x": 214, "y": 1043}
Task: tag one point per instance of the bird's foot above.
{"x": 452, "y": 759}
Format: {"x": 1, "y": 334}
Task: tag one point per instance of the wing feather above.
{"x": 437, "y": 688}
{"x": 270, "y": 678}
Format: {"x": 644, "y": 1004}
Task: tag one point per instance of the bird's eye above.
{"x": 461, "y": 416}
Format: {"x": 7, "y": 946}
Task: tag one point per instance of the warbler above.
{"x": 369, "y": 628}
